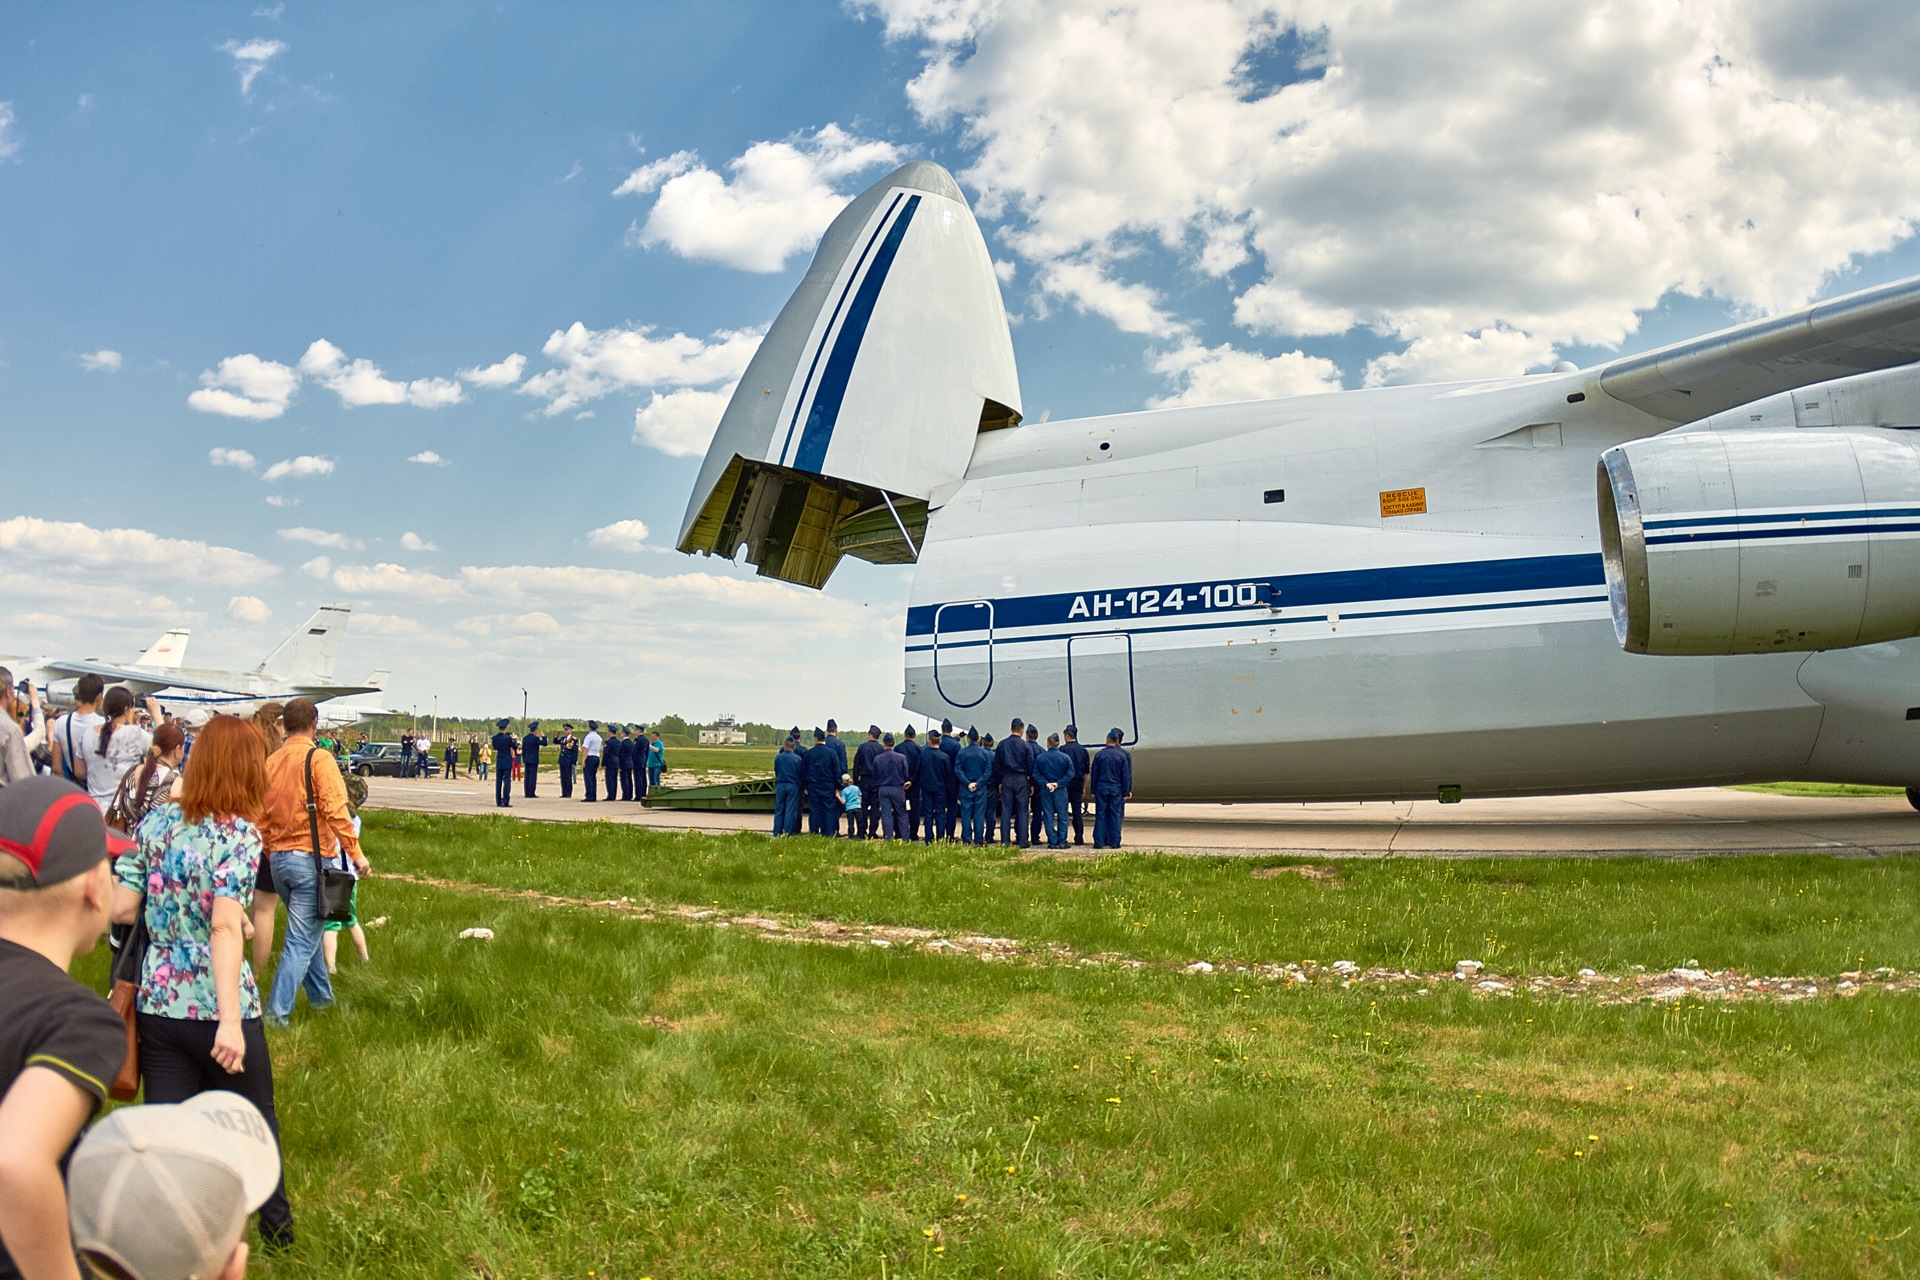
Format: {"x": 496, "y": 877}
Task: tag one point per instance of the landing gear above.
{"x": 1913, "y": 796}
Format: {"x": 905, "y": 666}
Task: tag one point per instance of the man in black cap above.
{"x": 60, "y": 1044}
{"x": 823, "y": 784}
{"x": 504, "y": 746}
{"x": 839, "y": 748}
{"x": 950, "y": 744}
{"x": 530, "y": 744}
{"x": 1013, "y": 762}
{"x": 1035, "y": 809}
{"x": 911, "y": 750}
{"x": 866, "y": 820}
{"x": 1077, "y": 786}
{"x": 594, "y": 745}
{"x": 1112, "y": 788}
{"x": 569, "y": 756}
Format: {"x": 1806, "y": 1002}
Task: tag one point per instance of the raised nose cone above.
{"x": 923, "y": 175}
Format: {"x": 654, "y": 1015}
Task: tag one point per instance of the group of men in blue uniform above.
{"x": 620, "y": 759}
{"x": 902, "y": 790}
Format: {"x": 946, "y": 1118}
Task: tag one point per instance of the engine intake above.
{"x": 1762, "y": 540}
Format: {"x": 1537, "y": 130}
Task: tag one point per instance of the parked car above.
{"x": 384, "y": 759}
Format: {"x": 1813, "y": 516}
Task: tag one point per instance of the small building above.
{"x": 725, "y": 733}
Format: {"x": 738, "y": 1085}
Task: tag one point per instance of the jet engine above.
{"x": 1792, "y": 523}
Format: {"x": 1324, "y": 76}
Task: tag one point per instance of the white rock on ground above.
{"x": 1199, "y": 966}
{"x": 483, "y": 935}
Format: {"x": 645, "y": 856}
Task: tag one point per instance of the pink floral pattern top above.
{"x": 182, "y": 867}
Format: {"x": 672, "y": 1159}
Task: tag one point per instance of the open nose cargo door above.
{"x": 868, "y": 392}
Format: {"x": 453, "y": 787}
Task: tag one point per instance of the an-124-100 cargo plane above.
{"x": 300, "y": 666}
{"x": 1388, "y": 593}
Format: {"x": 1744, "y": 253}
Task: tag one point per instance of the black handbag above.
{"x": 335, "y": 886}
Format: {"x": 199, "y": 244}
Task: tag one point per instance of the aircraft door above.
{"x": 1100, "y": 687}
{"x": 963, "y": 652}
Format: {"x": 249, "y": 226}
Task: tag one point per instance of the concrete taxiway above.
{"x": 1693, "y": 821}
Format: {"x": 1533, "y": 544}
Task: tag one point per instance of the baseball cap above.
{"x": 51, "y": 825}
{"x": 163, "y": 1191}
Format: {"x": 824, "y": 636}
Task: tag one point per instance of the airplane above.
{"x": 300, "y": 666}
{"x": 1695, "y": 566}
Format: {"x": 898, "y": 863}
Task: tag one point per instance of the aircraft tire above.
{"x": 1913, "y": 796}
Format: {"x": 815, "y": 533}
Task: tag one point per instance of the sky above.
{"x": 431, "y": 309}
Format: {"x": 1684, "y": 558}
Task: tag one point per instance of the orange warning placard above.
{"x": 1403, "y": 502}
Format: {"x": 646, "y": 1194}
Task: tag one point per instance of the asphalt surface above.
{"x": 1693, "y": 821}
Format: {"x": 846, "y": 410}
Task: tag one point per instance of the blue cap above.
{"x": 909, "y": 731}
{"x": 501, "y": 723}
{"x": 1115, "y": 735}
{"x": 887, "y": 738}
{"x": 1071, "y": 731}
{"x": 593, "y": 724}
{"x": 532, "y": 725}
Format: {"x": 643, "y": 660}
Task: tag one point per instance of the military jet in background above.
{"x": 1394, "y": 592}
{"x": 301, "y": 666}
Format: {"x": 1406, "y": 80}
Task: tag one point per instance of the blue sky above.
{"x": 1214, "y": 200}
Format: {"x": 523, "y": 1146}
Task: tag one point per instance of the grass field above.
{"x": 1821, "y": 789}
{"x": 594, "y": 1095}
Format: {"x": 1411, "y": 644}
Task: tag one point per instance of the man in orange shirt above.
{"x": 287, "y": 838}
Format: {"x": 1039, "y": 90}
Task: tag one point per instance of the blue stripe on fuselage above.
{"x": 1306, "y": 590}
{"x": 1755, "y": 535}
{"x": 818, "y": 433}
{"x": 1791, "y": 517}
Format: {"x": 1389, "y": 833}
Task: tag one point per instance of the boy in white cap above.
{"x": 163, "y": 1192}
{"x": 60, "y": 1044}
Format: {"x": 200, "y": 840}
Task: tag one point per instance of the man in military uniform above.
{"x": 823, "y": 785}
{"x": 787, "y": 783}
{"x": 640, "y": 762}
{"x": 934, "y": 787}
{"x": 973, "y": 771}
{"x": 950, "y": 744}
{"x": 865, "y": 822}
{"x": 911, "y": 750}
{"x": 1052, "y": 770}
{"x": 530, "y": 745}
{"x": 1034, "y": 808}
{"x": 569, "y": 756}
{"x": 1112, "y": 788}
{"x": 626, "y": 762}
{"x": 1013, "y": 761}
{"x": 1077, "y": 785}
{"x": 503, "y": 752}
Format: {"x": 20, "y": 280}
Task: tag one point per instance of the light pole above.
{"x": 523, "y": 706}
{"x": 436, "y": 718}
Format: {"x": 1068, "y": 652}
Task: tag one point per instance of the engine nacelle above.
{"x": 1730, "y": 539}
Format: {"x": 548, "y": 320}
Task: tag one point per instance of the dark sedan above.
{"x": 386, "y": 760}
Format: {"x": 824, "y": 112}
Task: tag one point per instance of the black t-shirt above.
{"x": 49, "y": 1020}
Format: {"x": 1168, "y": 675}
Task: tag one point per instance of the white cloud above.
{"x": 318, "y": 567}
{"x": 1224, "y": 375}
{"x": 502, "y": 374}
{"x": 252, "y": 56}
{"x": 129, "y": 552}
{"x": 321, "y": 538}
{"x": 361, "y": 382}
{"x": 282, "y": 500}
{"x": 249, "y": 609}
{"x": 414, "y": 542}
{"x": 394, "y": 580}
{"x": 780, "y": 198}
{"x": 595, "y": 362}
{"x": 1480, "y": 182}
{"x": 305, "y": 465}
{"x": 384, "y": 624}
{"x": 681, "y": 423}
{"x": 101, "y": 361}
{"x": 245, "y": 386}
{"x": 231, "y": 458}
{"x": 621, "y": 535}
{"x": 428, "y": 458}
{"x": 9, "y": 145}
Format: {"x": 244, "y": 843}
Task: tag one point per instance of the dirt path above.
{"x": 1633, "y": 987}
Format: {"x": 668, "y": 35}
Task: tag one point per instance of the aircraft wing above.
{"x": 146, "y": 681}
{"x": 322, "y": 692}
{"x": 1873, "y": 329}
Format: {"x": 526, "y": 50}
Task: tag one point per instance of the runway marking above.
{"x": 1727, "y": 986}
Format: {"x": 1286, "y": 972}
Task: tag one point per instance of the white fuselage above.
{"x": 1222, "y": 584}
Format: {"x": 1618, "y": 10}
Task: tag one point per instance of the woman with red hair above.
{"x": 198, "y": 1012}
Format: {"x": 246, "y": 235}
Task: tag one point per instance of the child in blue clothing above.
{"x": 849, "y": 800}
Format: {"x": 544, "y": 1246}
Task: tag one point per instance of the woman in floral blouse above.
{"x": 199, "y": 1009}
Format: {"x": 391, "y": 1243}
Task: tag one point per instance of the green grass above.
{"x": 741, "y": 762}
{"x": 1768, "y": 915}
{"x": 1820, "y": 789}
{"x": 596, "y": 1095}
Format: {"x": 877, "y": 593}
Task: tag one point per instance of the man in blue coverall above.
{"x": 1014, "y": 761}
{"x": 950, "y": 743}
{"x": 972, "y": 771}
{"x": 1077, "y": 785}
{"x": 890, "y": 785}
{"x": 823, "y": 785}
{"x": 786, "y": 789}
{"x": 911, "y": 750}
{"x": 1052, "y": 770}
{"x": 935, "y": 788}
{"x": 503, "y": 748}
{"x": 1112, "y": 788}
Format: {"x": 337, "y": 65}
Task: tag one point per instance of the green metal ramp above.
{"x": 753, "y": 796}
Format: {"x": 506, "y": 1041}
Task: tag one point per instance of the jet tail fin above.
{"x": 867, "y": 393}
{"x": 170, "y": 650}
{"x": 306, "y": 657}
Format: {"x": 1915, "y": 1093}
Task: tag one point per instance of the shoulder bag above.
{"x": 335, "y": 887}
{"x": 128, "y": 964}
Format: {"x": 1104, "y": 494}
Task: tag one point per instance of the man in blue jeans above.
{"x": 287, "y": 834}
